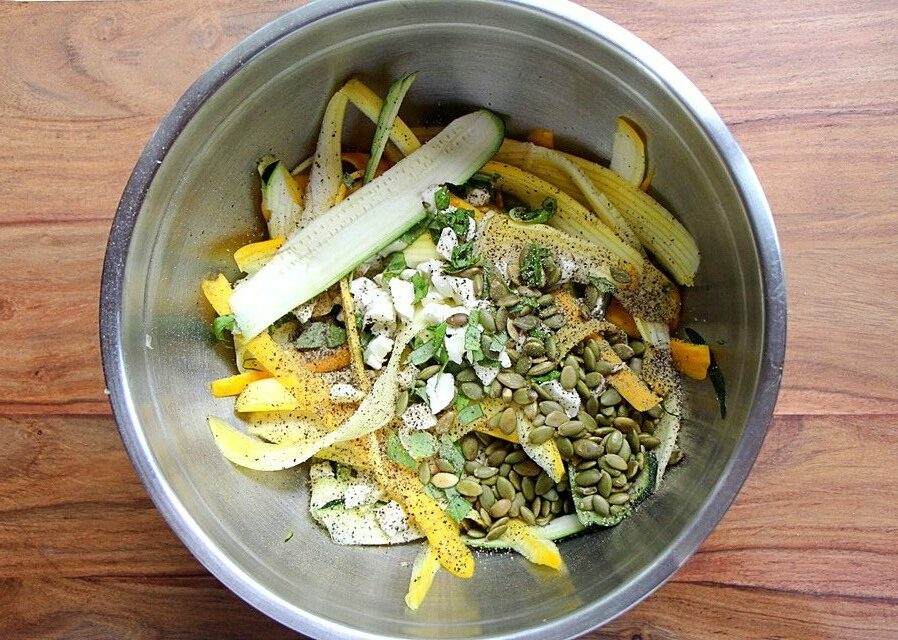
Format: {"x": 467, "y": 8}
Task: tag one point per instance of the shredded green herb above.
{"x": 457, "y": 220}
{"x": 320, "y": 334}
{"x": 288, "y": 537}
{"x": 433, "y": 347}
{"x": 421, "y": 285}
{"x": 532, "y": 273}
{"x": 222, "y": 324}
{"x": 534, "y": 216}
{"x": 397, "y": 453}
{"x": 469, "y": 414}
{"x": 396, "y": 264}
{"x": 441, "y": 199}
{"x": 547, "y": 377}
{"x": 463, "y": 257}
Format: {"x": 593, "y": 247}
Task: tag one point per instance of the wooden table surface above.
{"x": 808, "y": 550}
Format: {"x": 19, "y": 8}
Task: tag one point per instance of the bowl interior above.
{"x": 536, "y": 69}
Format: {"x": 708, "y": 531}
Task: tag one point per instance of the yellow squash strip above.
{"x": 577, "y": 331}
{"x": 332, "y": 360}
{"x": 626, "y": 382}
{"x": 267, "y": 394}
{"x": 546, "y": 455}
{"x": 497, "y": 433}
{"x": 233, "y": 385}
{"x": 621, "y": 318}
{"x": 218, "y": 293}
{"x": 690, "y": 359}
{"x": 423, "y": 571}
{"x": 252, "y": 257}
{"x": 570, "y": 216}
{"x": 535, "y": 548}
{"x": 370, "y": 104}
{"x": 442, "y": 532}
{"x": 353, "y": 343}
{"x": 327, "y": 169}
{"x": 252, "y": 453}
{"x": 628, "y": 153}
{"x": 655, "y": 226}
{"x": 287, "y": 427}
{"x": 542, "y": 137}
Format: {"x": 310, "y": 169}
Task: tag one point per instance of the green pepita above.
{"x": 469, "y": 487}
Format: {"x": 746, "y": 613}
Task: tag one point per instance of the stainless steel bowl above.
{"x": 193, "y": 198}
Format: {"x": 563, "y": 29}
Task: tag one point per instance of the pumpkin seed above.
{"x": 526, "y": 323}
{"x": 586, "y": 465}
{"x": 543, "y": 485}
{"x": 457, "y": 320}
{"x": 603, "y": 367}
{"x": 568, "y": 377}
{"x": 429, "y": 372}
{"x": 613, "y": 441}
{"x": 615, "y": 461}
{"x": 545, "y": 300}
{"x": 623, "y": 351}
{"x": 500, "y": 508}
{"x": 444, "y": 465}
{"x": 632, "y": 469}
{"x": 528, "y": 488}
{"x": 488, "y": 320}
{"x": 570, "y": 428}
{"x": 592, "y": 406}
{"x": 424, "y": 472}
{"x": 521, "y": 396}
{"x": 475, "y": 533}
{"x": 488, "y": 498}
{"x": 616, "y": 509}
{"x": 604, "y": 484}
{"x": 555, "y": 322}
{"x": 600, "y": 505}
{"x": 509, "y": 300}
{"x": 565, "y": 448}
{"x": 466, "y": 375}
{"x": 625, "y": 451}
{"x": 527, "y": 468}
{"x": 619, "y": 482}
{"x": 548, "y": 406}
{"x": 531, "y": 410}
{"x": 496, "y": 457}
{"x": 587, "y": 478}
{"x": 635, "y": 364}
{"x": 527, "y": 516}
{"x": 494, "y": 390}
{"x": 444, "y": 480}
{"x": 633, "y": 441}
{"x": 470, "y": 447}
{"x": 496, "y": 532}
{"x": 504, "y": 468}
{"x": 649, "y": 442}
{"x": 589, "y": 359}
{"x": 485, "y": 472}
{"x": 541, "y": 369}
{"x": 501, "y": 318}
{"x": 556, "y": 418}
{"x": 619, "y": 498}
{"x": 548, "y": 312}
{"x": 522, "y": 364}
{"x": 625, "y": 424}
{"x": 512, "y": 380}
{"x": 472, "y": 390}
{"x": 515, "y": 457}
{"x": 469, "y": 487}
{"x": 534, "y": 348}
{"x": 593, "y": 379}
{"x": 609, "y": 398}
{"x": 541, "y": 434}
{"x": 508, "y": 421}
{"x": 587, "y": 449}
{"x": 537, "y": 506}
{"x": 638, "y": 347}
{"x": 585, "y": 504}
{"x": 505, "y": 488}
{"x": 655, "y": 411}
{"x": 512, "y": 330}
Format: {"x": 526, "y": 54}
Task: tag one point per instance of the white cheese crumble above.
{"x": 373, "y": 302}
{"x": 478, "y": 197}
{"x": 569, "y": 400}
{"x": 418, "y": 418}
{"x": 448, "y": 241}
{"x": 377, "y": 351}
{"x": 455, "y": 346}
{"x": 440, "y": 391}
{"x": 403, "y": 294}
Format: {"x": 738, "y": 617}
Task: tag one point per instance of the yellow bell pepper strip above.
{"x": 267, "y": 394}
{"x": 625, "y": 381}
{"x": 621, "y": 318}
{"x": 252, "y": 257}
{"x": 546, "y": 455}
{"x": 542, "y": 137}
{"x": 233, "y": 385}
{"x": 423, "y": 571}
{"x": 218, "y": 293}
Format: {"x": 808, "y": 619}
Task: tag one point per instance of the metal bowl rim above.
{"x": 587, "y": 617}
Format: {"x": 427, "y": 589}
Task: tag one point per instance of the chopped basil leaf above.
{"x": 532, "y": 216}
{"x": 433, "y": 347}
{"x": 441, "y": 199}
{"x": 396, "y": 264}
{"x": 320, "y": 334}
{"x": 458, "y": 508}
{"x": 222, "y": 324}
{"x": 532, "y": 266}
{"x": 462, "y": 258}
{"x": 415, "y": 231}
{"x": 457, "y": 220}
{"x": 421, "y": 285}
{"x": 452, "y": 453}
{"x": 547, "y": 377}
{"x": 397, "y": 453}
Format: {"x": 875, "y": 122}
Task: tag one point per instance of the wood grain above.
{"x": 806, "y": 551}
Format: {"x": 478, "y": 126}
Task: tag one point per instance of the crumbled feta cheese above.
{"x": 440, "y": 391}
{"x": 478, "y": 197}
{"x": 460, "y": 290}
{"x": 343, "y": 393}
{"x": 377, "y": 351}
{"x": 418, "y": 418}
{"x": 436, "y": 312}
{"x": 486, "y": 374}
{"x": 403, "y": 294}
{"x": 505, "y": 359}
{"x": 455, "y": 346}
{"x": 472, "y": 229}
{"x": 447, "y": 242}
{"x": 428, "y": 195}
{"x": 372, "y": 301}
{"x": 304, "y": 311}
{"x": 569, "y": 400}
{"x": 361, "y": 492}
